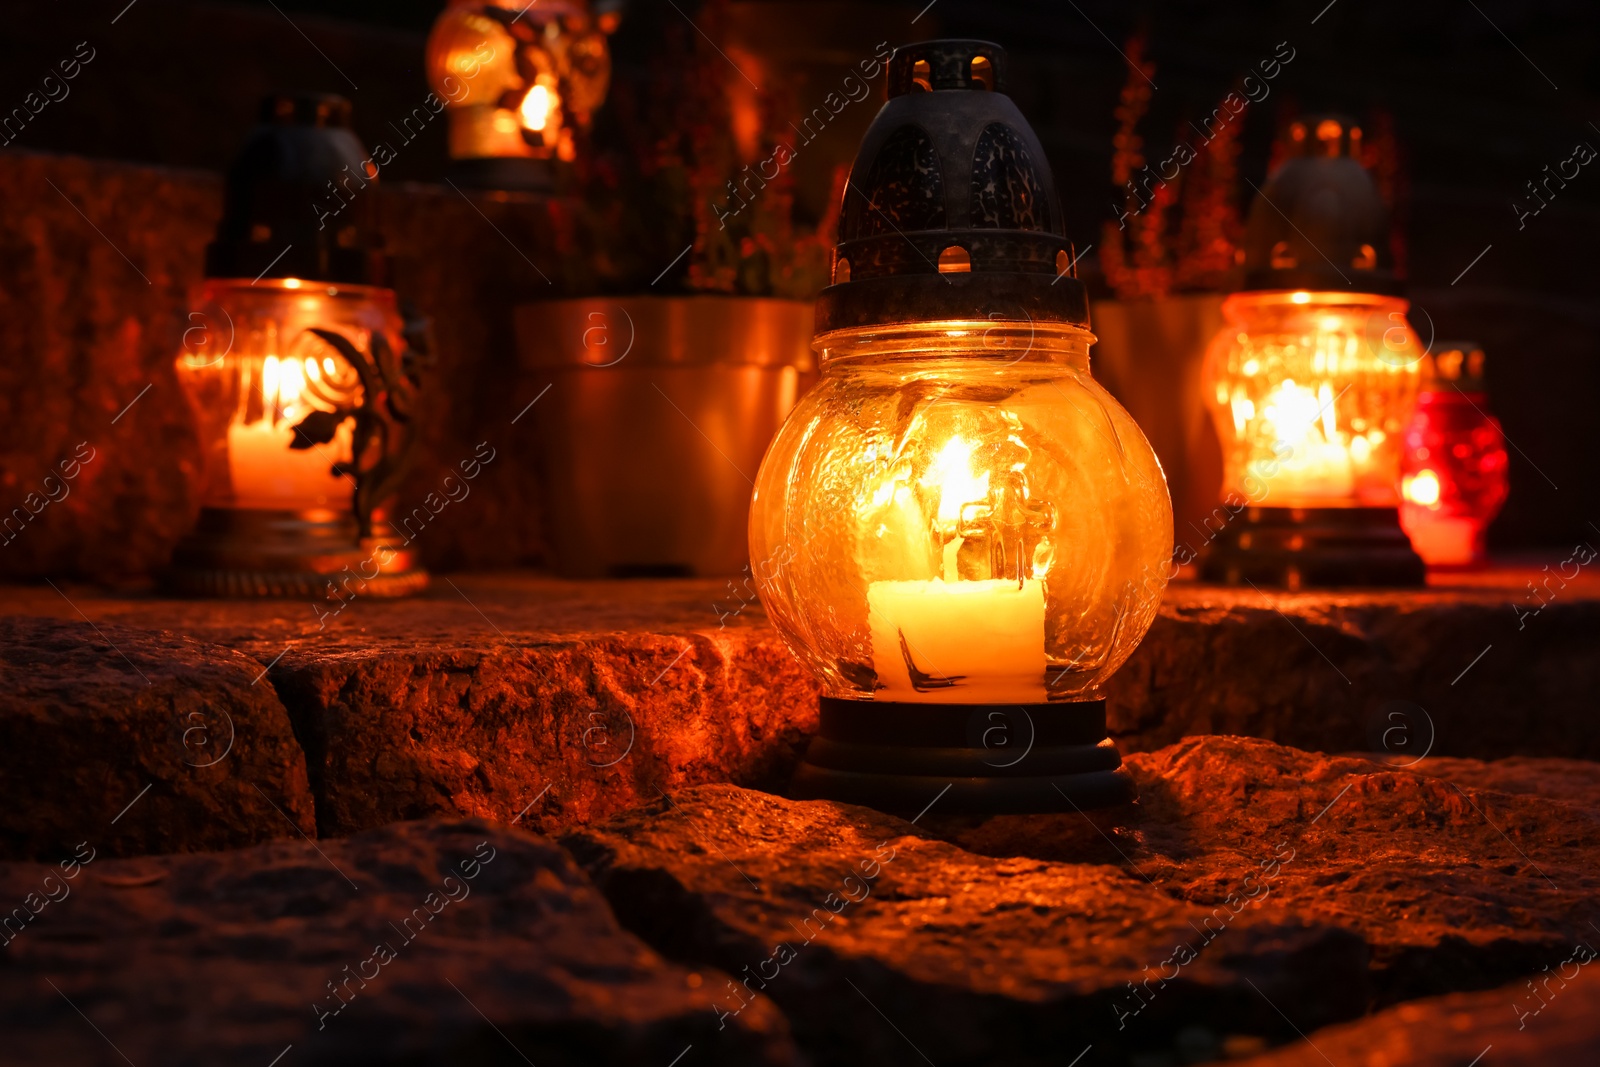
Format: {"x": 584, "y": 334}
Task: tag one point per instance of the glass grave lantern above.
{"x": 1454, "y": 470}
{"x": 958, "y": 530}
{"x": 301, "y": 375}
{"x": 1312, "y": 381}
{"x": 517, "y": 80}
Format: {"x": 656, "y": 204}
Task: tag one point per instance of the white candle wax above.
{"x": 987, "y": 637}
{"x": 267, "y": 473}
{"x": 1315, "y": 469}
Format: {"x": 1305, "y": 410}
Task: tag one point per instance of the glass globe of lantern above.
{"x": 1454, "y": 468}
{"x": 960, "y": 513}
{"x": 958, "y": 530}
{"x": 1311, "y": 393}
{"x": 257, "y": 371}
{"x": 1312, "y": 380}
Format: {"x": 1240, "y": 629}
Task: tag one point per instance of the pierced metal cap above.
{"x": 301, "y": 201}
{"x": 950, "y": 211}
{"x": 1319, "y": 222}
{"x": 1456, "y": 367}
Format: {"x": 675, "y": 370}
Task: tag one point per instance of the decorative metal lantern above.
{"x": 301, "y": 374}
{"x": 517, "y": 80}
{"x": 1453, "y": 475}
{"x": 1312, "y": 381}
{"x": 958, "y": 530}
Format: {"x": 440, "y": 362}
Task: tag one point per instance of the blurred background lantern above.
{"x": 1453, "y": 474}
{"x": 1312, "y": 380}
{"x": 520, "y": 82}
{"x": 300, "y": 372}
{"x": 958, "y": 530}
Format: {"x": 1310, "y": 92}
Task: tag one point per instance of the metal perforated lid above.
{"x": 950, "y": 211}
{"x": 1319, "y": 222}
{"x": 301, "y": 200}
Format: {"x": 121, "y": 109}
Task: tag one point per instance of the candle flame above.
{"x": 951, "y": 474}
{"x": 1422, "y": 488}
{"x": 1292, "y": 412}
{"x": 1330, "y": 428}
{"x": 282, "y": 382}
{"x": 536, "y": 108}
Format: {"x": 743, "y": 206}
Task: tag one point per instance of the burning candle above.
{"x": 265, "y": 470}
{"x": 297, "y": 362}
{"x": 944, "y": 641}
{"x": 949, "y": 639}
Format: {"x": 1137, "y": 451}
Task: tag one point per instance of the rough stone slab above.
{"x": 966, "y": 958}
{"x": 1513, "y": 1026}
{"x": 493, "y": 692}
{"x": 476, "y": 697}
{"x": 563, "y": 732}
{"x": 1323, "y": 671}
{"x": 1459, "y": 875}
{"x": 137, "y": 742}
{"x": 227, "y": 958}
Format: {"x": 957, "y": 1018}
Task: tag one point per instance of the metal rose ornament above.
{"x": 958, "y": 530}
{"x": 303, "y": 376}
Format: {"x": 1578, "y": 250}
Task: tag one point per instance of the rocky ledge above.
{"x": 440, "y": 943}
{"x": 1256, "y": 893}
{"x": 1258, "y": 903}
{"x": 501, "y": 696}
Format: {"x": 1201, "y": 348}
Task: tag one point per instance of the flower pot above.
{"x": 658, "y": 412}
{"x": 1148, "y": 355}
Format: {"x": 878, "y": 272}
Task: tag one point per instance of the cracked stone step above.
{"x": 1309, "y": 888}
{"x": 1459, "y": 874}
{"x": 1554, "y": 1020}
{"x": 496, "y": 692}
{"x": 433, "y": 944}
{"x": 139, "y": 742}
{"x": 876, "y": 939}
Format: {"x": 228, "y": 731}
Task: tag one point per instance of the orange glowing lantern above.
{"x": 1312, "y": 381}
{"x": 958, "y": 530}
{"x": 518, "y": 80}
{"x": 299, "y": 371}
{"x": 1454, "y": 473}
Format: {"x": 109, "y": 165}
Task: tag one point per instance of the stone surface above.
{"x": 137, "y": 742}
{"x": 1471, "y": 666}
{"x": 1329, "y": 885}
{"x": 872, "y": 936}
{"x": 498, "y": 951}
{"x": 495, "y": 691}
{"x": 492, "y": 693}
{"x": 1508, "y": 1027}
{"x": 1458, "y": 875}
{"x": 568, "y": 730}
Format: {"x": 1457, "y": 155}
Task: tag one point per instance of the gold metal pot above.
{"x": 658, "y": 412}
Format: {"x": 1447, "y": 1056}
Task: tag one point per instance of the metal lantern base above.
{"x": 1299, "y": 548}
{"x": 985, "y": 759}
{"x": 245, "y": 552}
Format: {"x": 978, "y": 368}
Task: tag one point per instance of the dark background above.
{"x": 1483, "y": 96}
